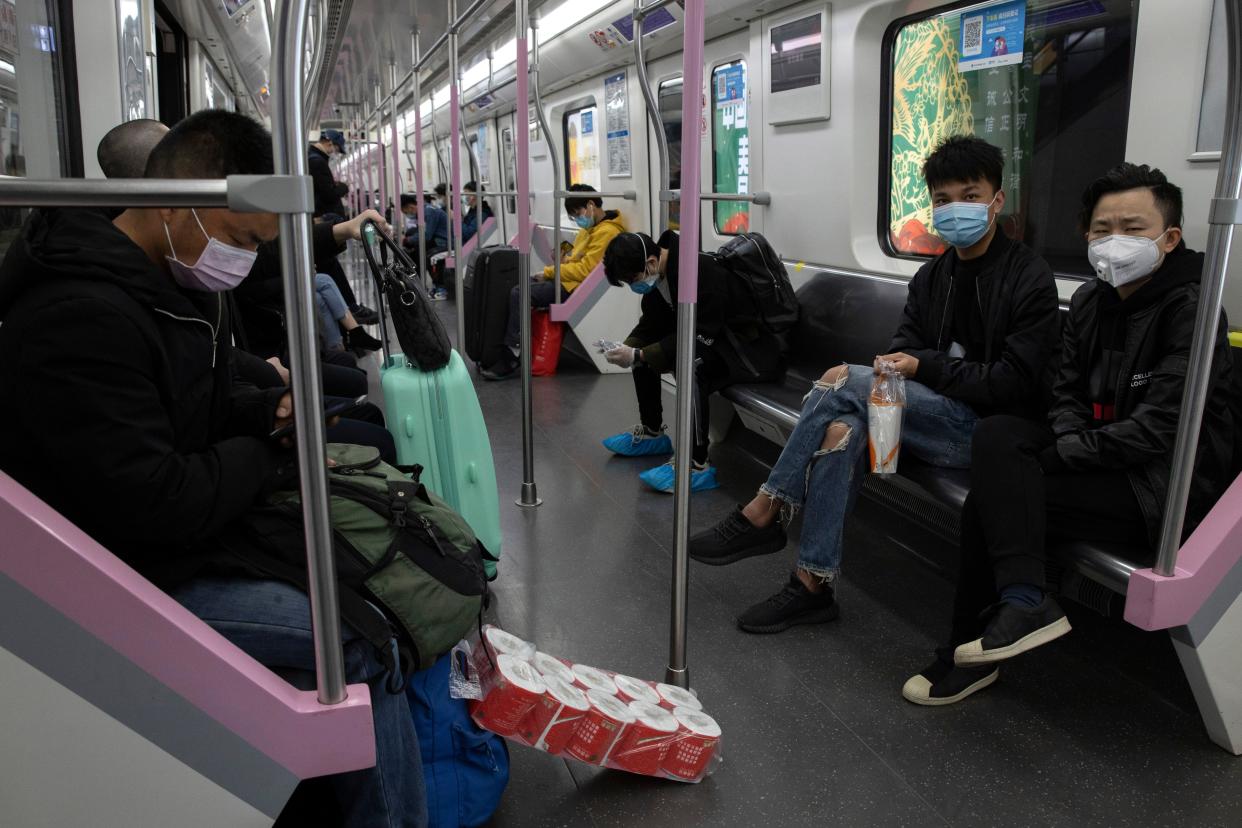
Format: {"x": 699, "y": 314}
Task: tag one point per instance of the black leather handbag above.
{"x": 424, "y": 341}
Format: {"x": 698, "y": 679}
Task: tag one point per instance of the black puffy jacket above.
{"x": 1148, "y": 397}
{"x": 1021, "y": 315}
{"x": 328, "y": 191}
{"x": 120, "y": 408}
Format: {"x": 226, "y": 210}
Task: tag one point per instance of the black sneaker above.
{"x": 364, "y": 315}
{"x": 359, "y": 340}
{"x": 794, "y": 604}
{"x": 943, "y": 682}
{"x": 1013, "y": 630}
{"x": 735, "y": 538}
{"x": 505, "y": 367}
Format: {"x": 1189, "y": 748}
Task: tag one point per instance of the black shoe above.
{"x": 505, "y": 367}
{"x": 735, "y": 538}
{"x": 1013, "y": 630}
{"x": 943, "y": 682}
{"x": 794, "y": 604}
{"x": 364, "y": 315}
{"x": 360, "y": 340}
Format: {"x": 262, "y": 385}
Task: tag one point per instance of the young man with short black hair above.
{"x": 597, "y": 227}
{"x": 979, "y": 328}
{"x": 730, "y": 348}
{"x": 1097, "y": 469}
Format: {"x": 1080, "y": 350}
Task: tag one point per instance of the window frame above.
{"x": 571, "y": 108}
{"x": 885, "y": 176}
{"x": 711, "y": 99}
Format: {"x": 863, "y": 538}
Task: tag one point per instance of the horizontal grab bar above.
{"x": 628, "y": 195}
{"x": 752, "y": 198}
{"x": 242, "y": 193}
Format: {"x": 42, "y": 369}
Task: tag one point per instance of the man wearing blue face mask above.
{"x": 977, "y": 336}
{"x": 597, "y": 227}
{"x": 730, "y": 348}
{"x": 1098, "y": 467}
{"x": 115, "y": 346}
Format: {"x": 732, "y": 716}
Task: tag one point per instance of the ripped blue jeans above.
{"x": 823, "y": 483}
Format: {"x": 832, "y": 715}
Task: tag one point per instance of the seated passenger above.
{"x": 1097, "y": 468}
{"x": 730, "y": 348}
{"x": 338, "y": 330}
{"x": 976, "y": 337}
{"x": 470, "y": 221}
{"x": 597, "y": 228}
{"x": 436, "y": 229}
{"x": 115, "y": 362}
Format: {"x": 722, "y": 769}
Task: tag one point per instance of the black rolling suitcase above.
{"x": 491, "y": 272}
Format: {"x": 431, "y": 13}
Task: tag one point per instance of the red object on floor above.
{"x": 545, "y": 343}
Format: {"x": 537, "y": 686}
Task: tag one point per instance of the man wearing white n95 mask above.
{"x": 1098, "y": 469}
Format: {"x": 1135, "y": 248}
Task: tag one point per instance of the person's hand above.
{"x": 352, "y": 229}
{"x": 280, "y": 369}
{"x": 284, "y": 416}
{"x": 905, "y": 364}
{"x": 621, "y": 356}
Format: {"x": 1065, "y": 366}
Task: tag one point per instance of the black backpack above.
{"x": 761, "y": 275}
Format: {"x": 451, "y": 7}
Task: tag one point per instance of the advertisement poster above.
{"x": 731, "y": 146}
{"x": 992, "y": 36}
{"x": 617, "y": 120}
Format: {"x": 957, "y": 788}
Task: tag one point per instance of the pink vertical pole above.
{"x": 368, "y": 157}
{"x": 396, "y": 153}
{"x": 522, "y": 131}
{"x": 381, "y": 165}
{"x": 455, "y": 163}
{"x": 687, "y": 295}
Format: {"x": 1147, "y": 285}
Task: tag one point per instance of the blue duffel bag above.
{"x": 465, "y": 768}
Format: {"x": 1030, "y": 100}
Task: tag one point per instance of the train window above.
{"x": 669, "y": 98}
{"x": 39, "y": 133}
{"x": 508, "y": 163}
{"x": 135, "y": 99}
{"x": 1053, "y": 96}
{"x": 582, "y": 146}
{"x": 1211, "y": 135}
{"x": 216, "y": 92}
{"x": 730, "y": 146}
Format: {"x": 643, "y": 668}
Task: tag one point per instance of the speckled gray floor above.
{"x": 1096, "y": 729}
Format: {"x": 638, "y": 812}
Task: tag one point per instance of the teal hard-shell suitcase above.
{"x": 437, "y": 423}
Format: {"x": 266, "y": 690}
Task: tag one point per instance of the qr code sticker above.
{"x": 972, "y": 36}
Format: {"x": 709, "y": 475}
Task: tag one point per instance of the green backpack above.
{"x": 409, "y": 568}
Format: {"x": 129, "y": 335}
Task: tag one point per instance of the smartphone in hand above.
{"x": 337, "y": 408}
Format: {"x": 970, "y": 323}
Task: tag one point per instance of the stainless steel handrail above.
{"x": 289, "y": 153}
{"x": 653, "y": 112}
{"x": 1225, "y": 214}
{"x": 628, "y": 195}
{"x": 761, "y": 198}
{"x": 419, "y": 184}
{"x": 454, "y": 194}
{"x": 77, "y": 192}
{"x": 529, "y": 495}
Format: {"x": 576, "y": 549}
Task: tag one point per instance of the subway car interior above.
{"x": 645, "y": 398}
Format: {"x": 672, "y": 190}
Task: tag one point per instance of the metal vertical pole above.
{"x": 289, "y": 152}
{"x": 420, "y": 186}
{"x": 653, "y": 114}
{"x": 459, "y": 266}
{"x": 381, "y": 165}
{"x": 529, "y": 495}
{"x": 396, "y": 152}
{"x": 557, "y": 184}
{"x": 1225, "y": 213}
{"x": 687, "y": 295}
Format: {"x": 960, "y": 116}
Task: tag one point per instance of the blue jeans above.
{"x": 331, "y": 308}
{"x": 270, "y": 621}
{"x": 824, "y": 483}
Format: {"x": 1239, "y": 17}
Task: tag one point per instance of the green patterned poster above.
{"x": 731, "y": 146}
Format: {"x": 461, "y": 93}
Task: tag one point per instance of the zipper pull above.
{"x": 431, "y": 534}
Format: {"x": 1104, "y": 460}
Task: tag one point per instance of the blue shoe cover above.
{"x": 637, "y": 443}
{"x": 661, "y": 478}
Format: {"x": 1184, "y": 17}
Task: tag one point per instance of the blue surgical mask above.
{"x": 584, "y": 222}
{"x": 646, "y": 284}
{"x": 962, "y": 223}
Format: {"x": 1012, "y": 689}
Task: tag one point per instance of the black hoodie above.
{"x": 1157, "y": 325}
{"x": 120, "y": 410}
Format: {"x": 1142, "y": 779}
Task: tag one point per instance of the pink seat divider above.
{"x": 1156, "y": 602}
{"x": 564, "y": 312}
{"x": 469, "y": 246}
{"x": 61, "y": 565}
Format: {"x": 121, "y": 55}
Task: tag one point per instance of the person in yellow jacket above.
{"x": 598, "y": 228}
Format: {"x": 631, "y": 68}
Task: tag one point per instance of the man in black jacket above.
{"x": 979, "y": 328}
{"x": 1098, "y": 468}
{"x": 730, "y": 349}
{"x": 328, "y": 191}
{"x": 121, "y": 412}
